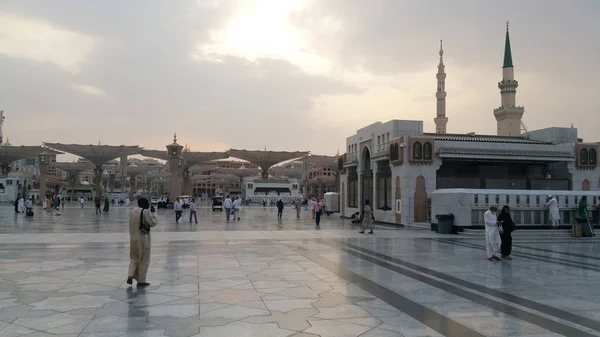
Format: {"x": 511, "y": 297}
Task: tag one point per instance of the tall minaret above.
{"x": 441, "y": 120}
{"x": 1, "y": 124}
{"x": 508, "y": 115}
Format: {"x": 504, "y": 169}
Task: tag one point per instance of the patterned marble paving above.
{"x": 296, "y": 281}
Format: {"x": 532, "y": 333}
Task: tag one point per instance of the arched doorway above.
{"x": 367, "y": 178}
{"x": 585, "y": 186}
{"x": 398, "y": 196}
{"x": 420, "y": 205}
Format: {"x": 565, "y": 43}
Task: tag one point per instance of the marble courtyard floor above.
{"x": 65, "y": 276}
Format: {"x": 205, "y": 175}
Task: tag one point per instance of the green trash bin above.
{"x": 445, "y": 223}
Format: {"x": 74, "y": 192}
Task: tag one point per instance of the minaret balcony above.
{"x": 509, "y": 112}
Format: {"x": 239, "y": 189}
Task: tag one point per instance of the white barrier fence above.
{"x": 528, "y": 207}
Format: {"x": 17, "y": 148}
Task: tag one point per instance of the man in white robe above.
{"x": 140, "y": 243}
{"x": 552, "y": 205}
{"x": 21, "y": 205}
{"x": 492, "y": 234}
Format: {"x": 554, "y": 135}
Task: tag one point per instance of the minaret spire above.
{"x": 441, "y": 120}
{"x": 508, "y": 115}
{"x": 508, "y": 63}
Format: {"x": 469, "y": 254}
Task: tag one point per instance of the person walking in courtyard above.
{"x": 178, "y": 208}
{"x": 56, "y": 204}
{"x": 311, "y": 205}
{"x": 21, "y": 206}
{"x": 193, "y": 211}
{"x": 141, "y": 220}
{"x": 582, "y": 208}
{"x": 298, "y": 208}
{"x": 319, "y": 207}
{"x": 29, "y": 207}
{"x": 492, "y": 233}
{"x": 17, "y": 205}
{"x": 97, "y": 203}
{"x": 552, "y": 205}
{"x": 237, "y": 205}
{"x": 81, "y": 202}
{"x": 227, "y": 204}
{"x": 367, "y": 218}
{"x": 279, "y": 208}
{"x": 106, "y": 205}
{"x": 508, "y": 225}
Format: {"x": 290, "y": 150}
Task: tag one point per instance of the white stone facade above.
{"x": 375, "y": 140}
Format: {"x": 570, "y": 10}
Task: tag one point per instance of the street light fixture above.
{"x": 44, "y": 159}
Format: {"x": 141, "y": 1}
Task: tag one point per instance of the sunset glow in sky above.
{"x": 286, "y": 74}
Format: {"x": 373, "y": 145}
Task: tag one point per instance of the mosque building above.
{"x": 397, "y": 166}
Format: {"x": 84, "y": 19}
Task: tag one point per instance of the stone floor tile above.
{"x": 299, "y": 292}
{"x": 342, "y": 311}
{"x": 337, "y": 329}
{"x": 52, "y": 321}
{"x": 85, "y": 288}
{"x": 366, "y": 321}
{"x": 11, "y": 313}
{"x": 180, "y": 288}
{"x": 75, "y": 328}
{"x": 230, "y": 296}
{"x": 333, "y": 299}
{"x": 242, "y": 329}
{"x": 181, "y": 311}
{"x": 72, "y": 302}
{"x": 8, "y": 302}
{"x": 234, "y": 312}
{"x": 407, "y": 326}
{"x": 375, "y": 332}
{"x": 13, "y": 330}
{"x": 115, "y": 324}
{"x": 289, "y": 304}
{"x": 296, "y": 319}
{"x": 245, "y": 270}
{"x": 501, "y": 326}
{"x": 272, "y": 285}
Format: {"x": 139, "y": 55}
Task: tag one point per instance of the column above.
{"x": 176, "y": 178}
{"x": 123, "y": 162}
{"x": 111, "y": 182}
{"x": 359, "y": 202}
{"x": 374, "y": 200}
{"x": 5, "y": 168}
{"x": 98, "y": 181}
{"x": 186, "y": 182}
{"x": 72, "y": 182}
{"x": 320, "y": 187}
{"x": 43, "y": 175}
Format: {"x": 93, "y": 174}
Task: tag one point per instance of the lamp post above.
{"x": 176, "y": 163}
{"x": 43, "y": 162}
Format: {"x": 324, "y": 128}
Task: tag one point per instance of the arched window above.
{"x": 427, "y": 151}
{"x": 583, "y": 156}
{"x": 417, "y": 150}
{"x": 592, "y": 157}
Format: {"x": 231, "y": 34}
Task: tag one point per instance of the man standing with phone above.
{"x": 140, "y": 222}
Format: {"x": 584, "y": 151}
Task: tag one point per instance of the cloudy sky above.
{"x": 288, "y": 74}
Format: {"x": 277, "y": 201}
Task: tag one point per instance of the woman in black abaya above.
{"x": 508, "y": 225}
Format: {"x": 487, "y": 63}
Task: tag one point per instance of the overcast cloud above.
{"x": 286, "y": 74}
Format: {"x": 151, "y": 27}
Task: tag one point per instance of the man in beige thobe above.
{"x": 139, "y": 250}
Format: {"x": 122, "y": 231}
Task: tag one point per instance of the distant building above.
{"x": 396, "y": 165}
